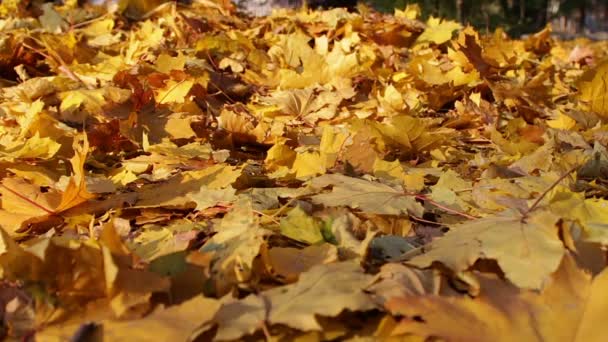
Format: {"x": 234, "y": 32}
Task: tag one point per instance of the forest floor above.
{"x": 196, "y": 174}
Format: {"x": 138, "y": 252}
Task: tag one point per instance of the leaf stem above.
{"x": 420, "y": 219}
{"x": 441, "y": 206}
{"x": 540, "y": 198}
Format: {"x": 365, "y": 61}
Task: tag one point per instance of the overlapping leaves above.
{"x": 183, "y": 171}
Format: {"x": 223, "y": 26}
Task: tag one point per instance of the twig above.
{"x": 420, "y": 219}
{"x": 537, "y": 202}
{"x": 211, "y": 60}
{"x": 286, "y": 205}
{"x": 221, "y": 92}
{"x": 441, "y": 206}
{"x": 90, "y": 21}
{"x": 270, "y": 217}
{"x": 266, "y": 332}
{"x": 62, "y": 65}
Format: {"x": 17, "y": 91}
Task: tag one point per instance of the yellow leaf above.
{"x": 93, "y": 101}
{"x": 22, "y": 198}
{"x": 34, "y": 147}
{"x": 527, "y": 250}
{"x": 438, "y": 31}
{"x": 300, "y": 226}
{"x": 235, "y": 246}
{"x": 335, "y": 287}
{"x": 176, "y": 191}
{"x": 37, "y": 175}
{"x": 207, "y": 198}
{"x": 174, "y": 323}
{"x": 591, "y": 213}
{"x": 51, "y": 20}
{"x": 178, "y": 126}
{"x": 411, "y": 12}
{"x": 280, "y": 157}
{"x": 287, "y": 263}
{"x": 562, "y": 121}
{"x": 370, "y": 197}
{"x": 593, "y": 89}
{"x": 412, "y": 182}
{"x": 30, "y": 120}
{"x": 76, "y": 191}
{"x": 165, "y": 63}
{"x": 308, "y": 164}
{"x": 99, "y": 27}
{"x": 452, "y": 190}
{"x": 503, "y": 313}
{"x": 393, "y": 97}
{"x": 332, "y": 142}
{"x": 174, "y": 92}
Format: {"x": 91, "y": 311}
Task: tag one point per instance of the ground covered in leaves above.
{"x": 190, "y": 173}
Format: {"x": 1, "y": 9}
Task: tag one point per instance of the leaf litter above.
{"x": 185, "y": 172}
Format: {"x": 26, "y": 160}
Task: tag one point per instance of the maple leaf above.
{"x": 398, "y": 280}
{"x": 24, "y": 202}
{"x": 76, "y": 191}
{"x": 207, "y": 198}
{"x": 92, "y": 100}
{"x": 334, "y": 287}
{"x": 286, "y": 264}
{"x": 590, "y": 213}
{"x": 33, "y": 147}
{"x": 594, "y": 87}
{"x": 174, "y": 92}
{"x": 503, "y": 313}
{"x": 438, "y": 31}
{"x": 177, "y": 191}
{"x": 301, "y": 227}
{"x": 371, "y": 197}
{"x": 266, "y": 159}
{"x": 233, "y": 248}
{"x": 527, "y": 249}
{"x": 468, "y": 41}
{"x": 307, "y": 104}
{"x": 159, "y": 324}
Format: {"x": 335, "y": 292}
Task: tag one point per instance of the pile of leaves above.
{"x": 190, "y": 173}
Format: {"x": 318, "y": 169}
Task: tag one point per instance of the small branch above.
{"x": 285, "y": 206}
{"x": 211, "y": 60}
{"x": 420, "y": 219}
{"x": 442, "y": 207}
{"x": 540, "y": 198}
{"x": 266, "y": 332}
{"x": 87, "y": 22}
{"x": 271, "y": 218}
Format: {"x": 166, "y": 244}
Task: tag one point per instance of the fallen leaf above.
{"x": 236, "y": 244}
{"x": 335, "y": 287}
{"x": 288, "y": 263}
{"x": 593, "y": 89}
{"x": 371, "y": 197}
{"x": 504, "y": 313}
{"x": 438, "y": 31}
{"x": 527, "y": 249}
{"x": 300, "y": 226}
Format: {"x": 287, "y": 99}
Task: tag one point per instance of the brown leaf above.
{"x": 504, "y": 313}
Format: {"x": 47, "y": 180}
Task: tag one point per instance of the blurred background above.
{"x": 569, "y": 18}
{"x": 516, "y": 16}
